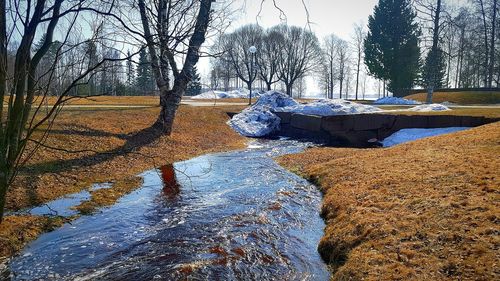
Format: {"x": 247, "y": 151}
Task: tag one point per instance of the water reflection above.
{"x": 235, "y": 216}
{"x": 170, "y": 185}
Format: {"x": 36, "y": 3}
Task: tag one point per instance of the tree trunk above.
{"x": 430, "y": 91}
{"x": 289, "y": 89}
{"x": 492, "y": 46}
{"x": 434, "y": 54}
{"x": 330, "y": 88}
{"x": 269, "y": 86}
{"x": 3, "y": 190}
{"x": 249, "y": 87}
{"x": 486, "y": 47}
{"x": 341, "y": 82}
{"x": 357, "y": 74}
{"x": 169, "y": 102}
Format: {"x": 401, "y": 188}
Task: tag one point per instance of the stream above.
{"x": 227, "y": 216}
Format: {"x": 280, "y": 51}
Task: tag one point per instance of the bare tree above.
{"x": 236, "y": 47}
{"x": 358, "y": 39}
{"x": 433, "y": 8}
{"x": 330, "y": 55}
{"x": 342, "y": 59}
{"x": 494, "y": 23}
{"x": 25, "y": 84}
{"x": 174, "y": 31}
{"x": 299, "y": 54}
{"x": 268, "y": 57}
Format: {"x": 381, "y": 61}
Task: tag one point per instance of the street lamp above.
{"x": 252, "y": 51}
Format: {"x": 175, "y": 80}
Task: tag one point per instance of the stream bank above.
{"x": 235, "y": 215}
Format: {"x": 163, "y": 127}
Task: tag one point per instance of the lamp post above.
{"x": 252, "y": 51}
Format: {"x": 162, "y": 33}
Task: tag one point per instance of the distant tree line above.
{"x": 432, "y": 44}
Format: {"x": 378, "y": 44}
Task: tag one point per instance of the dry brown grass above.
{"x": 425, "y": 210}
{"x": 51, "y": 173}
{"x": 104, "y": 100}
{"x": 221, "y": 100}
{"x": 16, "y": 231}
{"x": 471, "y": 97}
{"x": 492, "y": 112}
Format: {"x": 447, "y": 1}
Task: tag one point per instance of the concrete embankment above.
{"x": 363, "y": 130}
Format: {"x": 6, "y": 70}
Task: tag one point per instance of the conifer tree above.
{"x": 130, "y": 74}
{"x": 194, "y": 86}
{"x": 145, "y": 80}
{"x": 391, "y": 46}
{"x": 434, "y": 69}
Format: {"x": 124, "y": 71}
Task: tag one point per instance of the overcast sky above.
{"x": 326, "y": 17}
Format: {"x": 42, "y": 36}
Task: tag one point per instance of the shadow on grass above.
{"x": 88, "y": 132}
{"x": 133, "y": 142}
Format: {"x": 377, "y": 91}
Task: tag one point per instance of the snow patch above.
{"x": 210, "y": 95}
{"x": 395, "y": 100}
{"x": 258, "y": 120}
{"x": 430, "y": 107}
{"x": 406, "y": 135}
{"x": 234, "y": 94}
{"x": 330, "y": 107}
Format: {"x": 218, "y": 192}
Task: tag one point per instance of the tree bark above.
{"x": 434, "y": 54}
{"x": 492, "y": 45}
{"x": 4, "y": 179}
{"x": 269, "y": 86}
{"x": 357, "y": 73}
{"x": 171, "y": 99}
{"x": 341, "y": 82}
{"x": 486, "y": 48}
{"x": 289, "y": 89}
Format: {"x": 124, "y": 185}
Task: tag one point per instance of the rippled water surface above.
{"x": 228, "y": 216}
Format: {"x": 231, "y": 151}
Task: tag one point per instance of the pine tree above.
{"x": 391, "y": 46}
{"x": 194, "y": 87}
{"x": 434, "y": 71}
{"x": 130, "y": 74}
{"x": 144, "y": 80}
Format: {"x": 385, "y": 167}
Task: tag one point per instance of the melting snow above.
{"x": 406, "y": 135}
{"x": 430, "y": 107}
{"x": 238, "y": 93}
{"x": 258, "y": 120}
{"x": 330, "y": 107}
{"x": 395, "y": 100}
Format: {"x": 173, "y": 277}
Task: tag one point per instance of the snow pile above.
{"x": 258, "y": 120}
{"x": 430, "y": 107}
{"x": 234, "y": 94}
{"x": 406, "y": 135}
{"x": 210, "y": 95}
{"x": 395, "y": 100}
{"x": 330, "y": 107}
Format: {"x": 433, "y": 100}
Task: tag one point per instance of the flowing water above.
{"x": 228, "y": 216}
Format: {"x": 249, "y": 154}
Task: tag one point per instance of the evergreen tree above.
{"x": 130, "y": 74}
{"x": 434, "y": 69}
{"x": 92, "y": 58}
{"x": 144, "y": 79}
{"x": 391, "y": 45}
{"x": 194, "y": 87}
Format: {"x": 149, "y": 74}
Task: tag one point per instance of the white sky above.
{"x": 326, "y": 16}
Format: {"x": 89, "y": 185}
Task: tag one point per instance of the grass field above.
{"x": 463, "y": 111}
{"x": 116, "y": 147}
{"x": 464, "y": 98}
{"x": 103, "y": 100}
{"x": 424, "y": 210}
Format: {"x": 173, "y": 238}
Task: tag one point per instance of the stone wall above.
{"x": 363, "y": 130}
